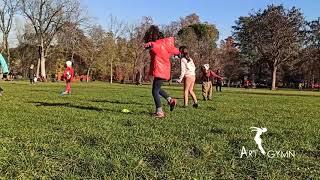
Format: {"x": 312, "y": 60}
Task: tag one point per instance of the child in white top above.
{"x": 188, "y": 76}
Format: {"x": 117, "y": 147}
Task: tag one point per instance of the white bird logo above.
{"x": 257, "y": 138}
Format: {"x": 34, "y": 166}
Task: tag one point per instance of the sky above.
{"x": 222, "y": 13}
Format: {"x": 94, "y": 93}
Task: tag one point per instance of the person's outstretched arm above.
{"x": 212, "y": 74}
{"x": 172, "y": 49}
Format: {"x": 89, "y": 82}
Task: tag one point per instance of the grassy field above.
{"x": 85, "y": 135}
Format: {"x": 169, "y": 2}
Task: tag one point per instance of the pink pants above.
{"x": 68, "y": 87}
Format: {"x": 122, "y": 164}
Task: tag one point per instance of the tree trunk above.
{"x": 134, "y": 72}
{"x": 72, "y": 56}
{"x": 6, "y": 49}
{"x": 42, "y": 61}
{"x": 111, "y": 71}
{"x": 88, "y": 74}
{"x": 38, "y": 69}
{"x": 229, "y": 81}
{"x": 140, "y": 77}
{"x": 274, "y": 78}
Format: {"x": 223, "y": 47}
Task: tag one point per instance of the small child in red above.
{"x": 206, "y": 78}
{"x": 68, "y": 76}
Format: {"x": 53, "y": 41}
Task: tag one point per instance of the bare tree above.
{"x": 7, "y": 11}
{"x": 91, "y": 47}
{"x": 272, "y": 36}
{"x": 135, "y": 48}
{"x": 47, "y": 18}
{"x": 189, "y": 20}
{"x": 116, "y": 29}
{"x": 25, "y": 53}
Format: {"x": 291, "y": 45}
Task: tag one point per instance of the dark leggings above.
{"x": 218, "y": 86}
{"x": 157, "y": 91}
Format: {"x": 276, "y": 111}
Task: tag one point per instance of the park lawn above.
{"x": 85, "y": 135}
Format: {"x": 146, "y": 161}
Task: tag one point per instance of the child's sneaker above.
{"x": 64, "y": 93}
{"x": 173, "y": 104}
{"x": 195, "y": 105}
{"x": 159, "y": 115}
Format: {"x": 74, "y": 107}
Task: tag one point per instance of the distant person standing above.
{"x": 206, "y": 79}
{"x": 300, "y": 86}
{"x": 68, "y": 76}
{"x": 218, "y": 81}
{"x": 31, "y": 74}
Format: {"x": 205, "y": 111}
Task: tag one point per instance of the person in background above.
{"x": 68, "y": 76}
{"x": 218, "y": 81}
{"x": 206, "y": 77}
{"x": 300, "y": 86}
{"x": 4, "y": 68}
{"x": 31, "y": 74}
{"x": 188, "y": 76}
{"x": 138, "y": 78}
{"x": 161, "y": 49}
{"x": 53, "y": 77}
{"x": 246, "y": 83}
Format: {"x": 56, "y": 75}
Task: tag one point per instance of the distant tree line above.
{"x": 270, "y": 47}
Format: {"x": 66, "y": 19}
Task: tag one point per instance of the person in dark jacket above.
{"x": 161, "y": 49}
{"x": 218, "y": 81}
{"x": 31, "y": 74}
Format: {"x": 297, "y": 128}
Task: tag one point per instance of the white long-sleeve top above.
{"x": 187, "y": 68}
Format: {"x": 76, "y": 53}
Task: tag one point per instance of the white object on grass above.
{"x": 125, "y": 111}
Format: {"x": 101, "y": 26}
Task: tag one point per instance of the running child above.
{"x": 68, "y": 76}
{"x": 188, "y": 76}
{"x": 206, "y": 78}
{"x": 161, "y": 49}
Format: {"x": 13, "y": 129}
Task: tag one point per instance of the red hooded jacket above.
{"x": 69, "y": 70}
{"x": 160, "y": 52}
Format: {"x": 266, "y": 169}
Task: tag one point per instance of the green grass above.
{"x": 85, "y": 135}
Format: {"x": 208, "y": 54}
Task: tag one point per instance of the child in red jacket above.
{"x": 161, "y": 49}
{"x": 68, "y": 76}
{"x": 206, "y": 78}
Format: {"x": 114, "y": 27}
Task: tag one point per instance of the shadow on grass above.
{"x": 195, "y": 151}
{"x": 157, "y": 160}
{"x": 90, "y": 108}
{"x": 42, "y": 90}
{"x": 47, "y": 104}
{"x": 310, "y": 153}
{"x": 120, "y": 102}
{"x": 272, "y": 94}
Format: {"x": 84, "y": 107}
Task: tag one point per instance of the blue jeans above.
{"x": 157, "y": 91}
